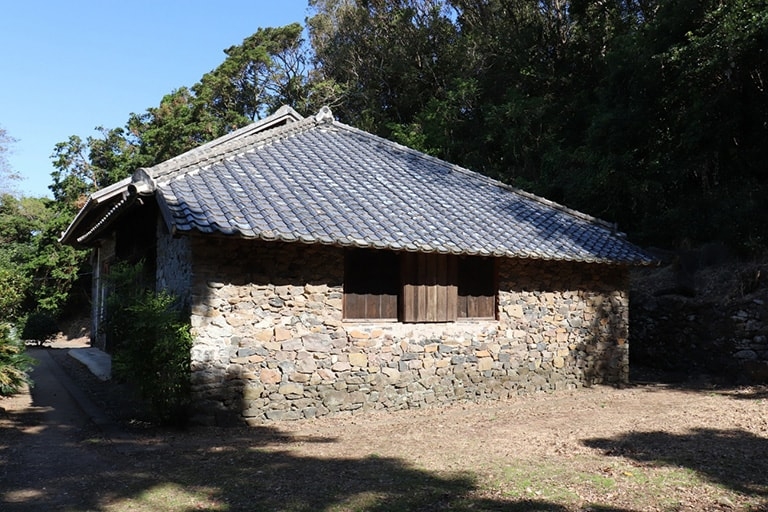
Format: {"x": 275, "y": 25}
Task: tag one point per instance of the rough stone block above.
{"x": 290, "y": 388}
{"x": 252, "y": 391}
{"x": 317, "y": 343}
{"x": 301, "y": 378}
{"x": 334, "y": 399}
{"x": 283, "y": 415}
{"x": 270, "y": 376}
{"x": 291, "y": 345}
{"x": 341, "y": 366}
{"x": 484, "y": 363}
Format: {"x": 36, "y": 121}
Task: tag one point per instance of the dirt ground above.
{"x": 649, "y": 446}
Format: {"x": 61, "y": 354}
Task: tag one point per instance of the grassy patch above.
{"x": 170, "y": 497}
{"x": 540, "y": 481}
{"x": 573, "y": 483}
{"x": 266, "y": 480}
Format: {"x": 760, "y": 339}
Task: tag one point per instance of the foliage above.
{"x": 55, "y": 267}
{"x": 7, "y": 175}
{"x": 13, "y": 285}
{"x": 39, "y": 272}
{"x": 84, "y": 166}
{"x": 267, "y": 70}
{"x": 177, "y": 125}
{"x": 386, "y": 58}
{"x": 14, "y": 363}
{"x": 152, "y": 344}
{"x": 39, "y": 326}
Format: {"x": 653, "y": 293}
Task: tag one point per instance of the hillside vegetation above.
{"x": 705, "y": 324}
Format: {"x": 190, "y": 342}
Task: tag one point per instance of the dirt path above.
{"x": 647, "y": 447}
{"x": 46, "y": 461}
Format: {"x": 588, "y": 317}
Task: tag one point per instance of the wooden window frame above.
{"x": 478, "y": 287}
{"x": 384, "y": 286}
{"x": 371, "y": 285}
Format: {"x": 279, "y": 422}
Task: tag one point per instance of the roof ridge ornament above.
{"x": 325, "y": 115}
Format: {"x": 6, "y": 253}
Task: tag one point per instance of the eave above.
{"x": 103, "y": 207}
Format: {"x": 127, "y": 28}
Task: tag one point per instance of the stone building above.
{"x": 329, "y": 271}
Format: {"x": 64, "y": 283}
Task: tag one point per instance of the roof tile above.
{"x": 325, "y": 182}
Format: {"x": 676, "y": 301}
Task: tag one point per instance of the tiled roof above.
{"x": 315, "y": 180}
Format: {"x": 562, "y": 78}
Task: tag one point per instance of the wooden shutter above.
{"x": 371, "y": 282}
{"x": 477, "y": 287}
{"x": 429, "y": 287}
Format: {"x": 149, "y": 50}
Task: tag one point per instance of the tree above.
{"x": 36, "y": 271}
{"x": 178, "y": 124}
{"x": 84, "y": 166}
{"x": 387, "y": 58}
{"x": 7, "y": 174}
{"x": 152, "y": 343}
{"x": 717, "y": 91}
{"x": 18, "y": 224}
{"x": 267, "y": 70}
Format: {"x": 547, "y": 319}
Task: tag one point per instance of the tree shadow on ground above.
{"x": 215, "y": 469}
{"x": 753, "y": 393}
{"x": 51, "y": 459}
{"x": 735, "y": 459}
{"x": 658, "y": 379}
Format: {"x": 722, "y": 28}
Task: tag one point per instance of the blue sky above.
{"x": 69, "y": 66}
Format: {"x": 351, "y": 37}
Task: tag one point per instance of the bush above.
{"x": 14, "y": 363}
{"x": 39, "y": 326}
{"x": 152, "y": 344}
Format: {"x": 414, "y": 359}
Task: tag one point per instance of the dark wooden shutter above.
{"x": 429, "y": 287}
{"x": 371, "y": 283}
{"x": 477, "y": 287}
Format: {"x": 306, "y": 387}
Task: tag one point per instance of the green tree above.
{"x": 267, "y": 70}
{"x": 84, "y": 166}
{"x": 36, "y": 271}
{"x": 178, "y": 124}
{"x": 717, "y": 92}
{"x": 19, "y": 223}
{"x": 55, "y": 268}
{"x": 387, "y": 59}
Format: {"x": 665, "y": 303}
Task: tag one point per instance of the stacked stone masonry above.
{"x": 271, "y": 342}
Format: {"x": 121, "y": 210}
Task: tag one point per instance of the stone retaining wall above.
{"x": 719, "y": 335}
{"x": 270, "y": 342}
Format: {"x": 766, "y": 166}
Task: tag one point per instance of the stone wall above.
{"x": 173, "y": 272}
{"x": 718, "y": 334}
{"x": 271, "y": 343}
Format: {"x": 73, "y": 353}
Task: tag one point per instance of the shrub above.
{"x": 15, "y": 364}
{"x": 39, "y": 326}
{"x": 152, "y": 344}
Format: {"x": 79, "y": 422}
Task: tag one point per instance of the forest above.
{"x": 650, "y": 114}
